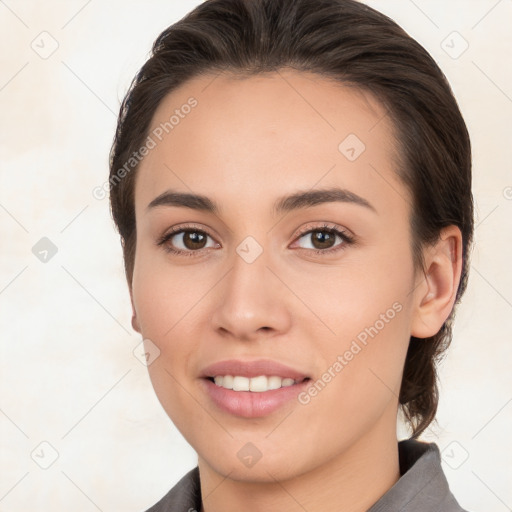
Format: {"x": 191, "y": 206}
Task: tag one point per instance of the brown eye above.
{"x": 187, "y": 241}
{"x": 194, "y": 240}
{"x": 324, "y": 239}
{"x": 320, "y": 239}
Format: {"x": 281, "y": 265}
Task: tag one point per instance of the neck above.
{"x": 351, "y": 481}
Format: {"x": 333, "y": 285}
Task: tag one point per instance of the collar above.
{"x": 422, "y": 486}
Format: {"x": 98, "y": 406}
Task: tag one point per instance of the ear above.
{"x": 436, "y": 290}
{"x": 135, "y": 322}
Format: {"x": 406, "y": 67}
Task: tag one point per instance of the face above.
{"x": 295, "y": 262}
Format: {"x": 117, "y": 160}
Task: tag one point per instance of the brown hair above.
{"x": 349, "y": 42}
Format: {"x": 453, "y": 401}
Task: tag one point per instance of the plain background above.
{"x": 80, "y": 426}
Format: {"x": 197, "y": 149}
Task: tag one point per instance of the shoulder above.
{"x": 185, "y": 496}
{"x": 422, "y": 486}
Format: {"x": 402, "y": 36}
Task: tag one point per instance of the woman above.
{"x": 291, "y": 181}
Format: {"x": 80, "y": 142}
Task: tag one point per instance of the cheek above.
{"x": 171, "y": 310}
{"x": 165, "y": 296}
{"x": 368, "y": 310}
{"x": 168, "y": 310}
{"x": 361, "y": 372}
{"x": 355, "y": 295}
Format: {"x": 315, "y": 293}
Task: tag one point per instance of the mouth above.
{"x": 252, "y": 389}
{"x": 259, "y": 384}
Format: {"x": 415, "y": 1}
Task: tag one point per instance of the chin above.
{"x": 278, "y": 466}
{"x": 259, "y": 473}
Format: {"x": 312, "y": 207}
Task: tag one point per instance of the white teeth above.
{"x": 258, "y": 384}
{"x": 227, "y": 381}
{"x": 274, "y": 382}
{"x": 241, "y": 383}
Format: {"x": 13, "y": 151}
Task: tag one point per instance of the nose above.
{"x": 251, "y": 302}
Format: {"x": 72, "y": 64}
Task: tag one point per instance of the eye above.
{"x": 186, "y": 241}
{"x": 324, "y": 239}
{"x": 190, "y": 240}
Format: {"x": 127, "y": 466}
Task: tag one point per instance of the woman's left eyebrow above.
{"x": 295, "y": 201}
{"x": 309, "y": 198}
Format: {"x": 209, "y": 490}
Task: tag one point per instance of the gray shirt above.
{"x": 422, "y": 486}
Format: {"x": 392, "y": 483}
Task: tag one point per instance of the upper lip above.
{"x": 252, "y": 369}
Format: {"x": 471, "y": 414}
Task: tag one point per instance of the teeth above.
{"x": 274, "y": 382}
{"x": 241, "y": 384}
{"x": 258, "y": 384}
{"x": 227, "y": 381}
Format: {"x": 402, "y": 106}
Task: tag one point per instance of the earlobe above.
{"x": 436, "y": 294}
{"x": 135, "y": 322}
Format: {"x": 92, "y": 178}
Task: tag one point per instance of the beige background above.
{"x": 69, "y": 378}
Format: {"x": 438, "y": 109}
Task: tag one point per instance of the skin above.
{"x": 248, "y": 142}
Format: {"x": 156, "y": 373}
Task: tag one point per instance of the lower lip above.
{"x": 249, "y": 404}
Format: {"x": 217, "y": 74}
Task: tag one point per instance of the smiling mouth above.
{"x": 259, "y": 384}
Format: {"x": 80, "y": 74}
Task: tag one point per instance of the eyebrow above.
{"x": 315, "y": 197}
{"x": 295, "y": 201}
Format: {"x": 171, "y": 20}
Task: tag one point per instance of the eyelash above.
{"x": 331, "y": 229}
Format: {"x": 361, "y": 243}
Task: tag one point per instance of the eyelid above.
{"x": 326, "y": 226}
{"x": 188, "y": 226}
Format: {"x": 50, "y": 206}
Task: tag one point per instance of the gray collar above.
{"x": 422, "y": 486}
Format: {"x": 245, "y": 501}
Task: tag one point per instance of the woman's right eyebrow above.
{"x": 184, "y": 199}
{"x": 295, "y": 201}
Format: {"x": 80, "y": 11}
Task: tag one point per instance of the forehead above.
{"x": 268, "y": 132}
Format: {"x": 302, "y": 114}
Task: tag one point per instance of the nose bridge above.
{"x": 249, "y": 297}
